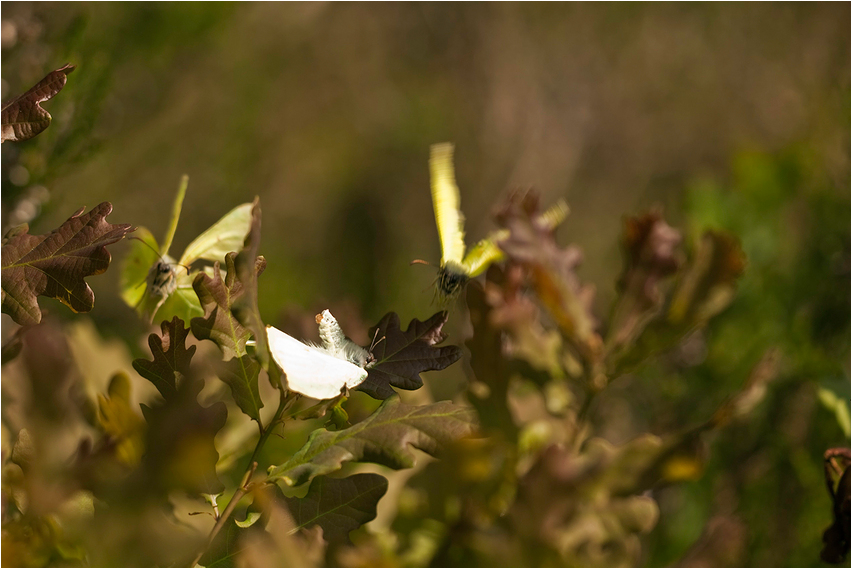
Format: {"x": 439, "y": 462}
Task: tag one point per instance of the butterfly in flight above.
{"x": 456, "y": 267}
{"x": 168, "y": 283}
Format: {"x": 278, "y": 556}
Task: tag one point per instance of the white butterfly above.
{"x": 324, "y": 371}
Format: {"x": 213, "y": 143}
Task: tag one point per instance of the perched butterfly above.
{"x": 168, "y": 283}
{"x": 456, "y": 268}
{"x": 320, "y": 371}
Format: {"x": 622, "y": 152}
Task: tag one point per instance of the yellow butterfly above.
{"x": 168, "y": 292}
{"x": 456, "y": 268}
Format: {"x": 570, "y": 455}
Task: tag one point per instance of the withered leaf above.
{"x": 217, "y": 295}
{"x": 171, "y": 357}
{"x": 55, "y": 265}
{"x": 401, "y": 356}
{"x": 338, "y": 505}
{"x": 385, "y": 437}
{"x": 23, "y": 117}
{"x": 552, "y": 271}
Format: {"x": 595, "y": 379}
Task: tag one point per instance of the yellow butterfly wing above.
{"x": 224, "y": 236}
{"x": 446, "y": 201}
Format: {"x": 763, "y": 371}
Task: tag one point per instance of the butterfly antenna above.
{"x": 375, "y": 342}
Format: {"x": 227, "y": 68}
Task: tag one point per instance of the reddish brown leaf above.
{"x": 650, "y": 255}
{"x": 401, "y": 356}
{"x": 55, "y": 265}
{"x": 23, "y": 117}
{"x": 552, "y": 272}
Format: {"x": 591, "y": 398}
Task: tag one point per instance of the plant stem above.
{"x": 283, "y": 403}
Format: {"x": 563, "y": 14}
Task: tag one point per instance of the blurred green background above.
{"x": 730, "y": 116}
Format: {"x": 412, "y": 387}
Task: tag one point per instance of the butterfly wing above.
{"x": 446, "y": 201}
{"x": 224, "y": 236}
{"x": 483, "y": 254}
{"x": 310, "y": 371}
{"x": 136, "y": 265}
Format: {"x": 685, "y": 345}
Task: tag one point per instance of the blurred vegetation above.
{"x": 732, "y": 117}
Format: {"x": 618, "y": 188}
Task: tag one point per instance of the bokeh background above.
{"x": 735, "y": 116}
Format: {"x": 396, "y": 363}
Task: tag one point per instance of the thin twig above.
{"x": 283, "y": 404}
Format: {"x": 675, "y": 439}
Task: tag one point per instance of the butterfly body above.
{"x": 162, "y": 277}
{"x": 458, "y": 267}
{"x": 452, "y": 277}
{"x": 167, "y": 288}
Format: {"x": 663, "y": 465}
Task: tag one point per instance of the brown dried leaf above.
{"x": 55, "y": 265}
{"x": 23, "y": 117}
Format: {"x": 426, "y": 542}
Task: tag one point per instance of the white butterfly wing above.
{"x": 310, "y": 371}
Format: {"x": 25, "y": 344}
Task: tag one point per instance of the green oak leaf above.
{"x": 55, "y": 265}
{"x": 338, "y": 505}
{"x": 22, "y": 117}
{"x": 240, "y": 374}
{"x": 384, "y": 438}
{"x": 402, "y": 356}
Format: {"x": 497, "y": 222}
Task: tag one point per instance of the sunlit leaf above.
{"x": 23, "y": 117}
{"x": 402, "y": 356}
{"x": 217, "y": 295}
{"x": 240, "y": 374}
{"x": 385, "y": 437}
{"x": 55, "y": 265}
{"x": 119, "y": 419}
{"x": 168, "y": 284}
{"x": 338, "y": 505}
{"x": 171, "y": 357}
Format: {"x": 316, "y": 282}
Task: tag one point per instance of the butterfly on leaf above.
{"x": 320, "y": 371}
{"x": 168, "y": 288}
{"x": 456, "y": 267}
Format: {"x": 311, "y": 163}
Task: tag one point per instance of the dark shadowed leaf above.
{"x": 401, "y": 356}
{"x": 704, "y": 288}
{"x": 709, "y": 284}
{"x": 23, "y": 117}
{"x": 55, "y": 265}
{"x": 217, "y": 295}
{"x": 650, "y": 255}
{"x": 180, "y": 453}
{"x": 171, "y": 357}
{"x": 338, "y": 505}
{"x": 240, "y": 374}
{"x": 580, "y": 499}
{"x": 384, "y": 438}
{"x": 489, "y": 366}
{"x": 245, "y": 309}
